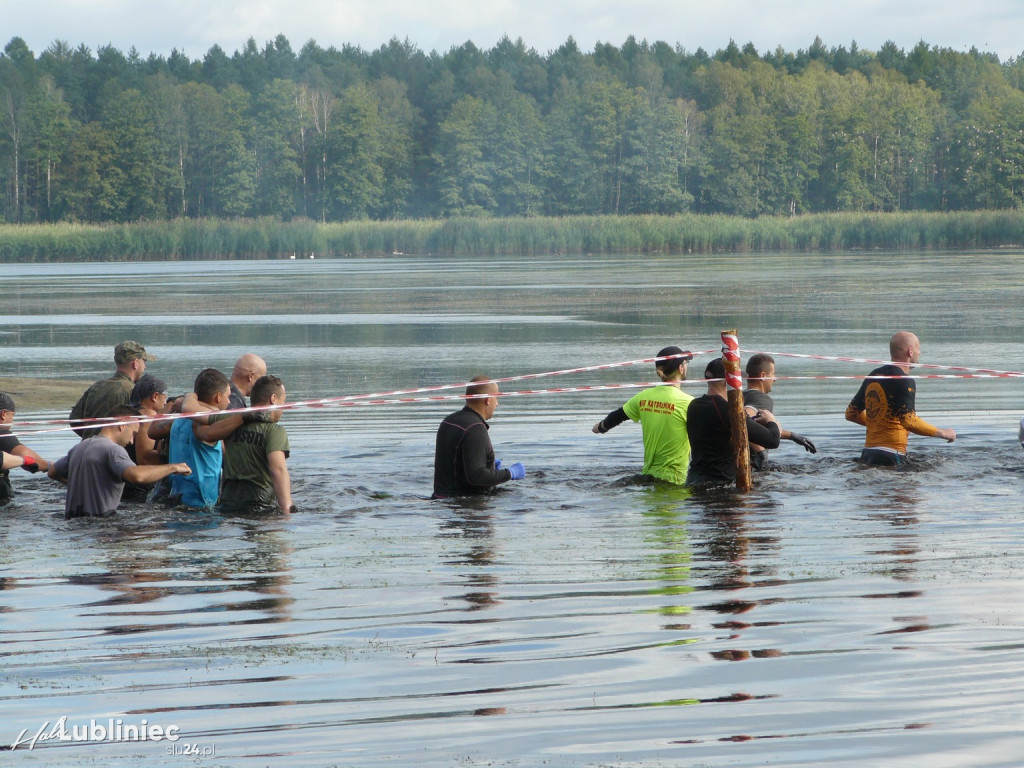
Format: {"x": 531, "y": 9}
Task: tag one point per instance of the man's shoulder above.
{"x": 258, "y": 427}
{"x": 100, "y": 445}
{"x": 182, "y": 432}
{"x": 704, "y": 399}
{"x": 708, "y": 403}
{"x": 894, "y": 380}
{"x": 117, "y": 381}
{"x": 663, "y": 392}
{"x": 888, "y": 370}
{"x": 116, "y": 385}
{"x": 464, "y": 417}
{"x": 675, "y": 395}
{"x": 758, "y": 399}
{"x": 269, "y": 435}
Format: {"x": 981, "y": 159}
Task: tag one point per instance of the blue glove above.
{"x": 497, "y": 464}
{"x": 518, "y": 470}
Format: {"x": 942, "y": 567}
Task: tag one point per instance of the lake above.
{"x": 836, "y": 615}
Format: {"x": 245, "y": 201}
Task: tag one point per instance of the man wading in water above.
{"x": 886, "y": 406}
{"x": 464, "y": 462}
{"x": 661, "y": 412}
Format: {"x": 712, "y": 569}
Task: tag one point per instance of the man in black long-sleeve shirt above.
{"x": 710, "y": 432}
{"x": 463, "y": 458}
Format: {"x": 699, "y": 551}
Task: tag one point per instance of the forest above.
{"x": 345, "y": 134}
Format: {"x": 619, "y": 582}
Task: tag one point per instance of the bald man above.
{"x": 464, "y": 462}
{"x": 886, "y": 406}
{"x": 247, "y": 370}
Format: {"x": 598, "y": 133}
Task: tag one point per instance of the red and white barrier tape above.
{"x": 401, "y": 396}
{"x": 328, "y": 401}
{"x": 869, "y": 361}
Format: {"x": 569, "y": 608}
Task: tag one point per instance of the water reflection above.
{"x": 731, "y": 543}
{"x": 897, "y": 509}
{"x": 666, "y": 518}
{"x": 158, "y": 560}
{"x": 471, "y": 524}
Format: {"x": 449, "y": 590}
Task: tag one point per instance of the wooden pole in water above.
{"x": 737, "y": 415}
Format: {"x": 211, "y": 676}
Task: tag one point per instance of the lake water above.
{"x": 836, "y": 615}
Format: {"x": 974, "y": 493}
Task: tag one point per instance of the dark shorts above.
{"x": 876, "y": 457}
{"x": 240, "y": 497}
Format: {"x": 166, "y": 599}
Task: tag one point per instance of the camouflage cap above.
{"x": 6, "y": 402}
{"x": 127, "y": 351}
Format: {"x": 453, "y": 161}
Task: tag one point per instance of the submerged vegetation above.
{"x": 186, "y": 239}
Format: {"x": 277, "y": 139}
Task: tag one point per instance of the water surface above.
{"x": 836, "y": 615}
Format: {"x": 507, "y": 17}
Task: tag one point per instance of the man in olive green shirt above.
{"x": 99, "y": 400}
{"x": 255, "y": 473}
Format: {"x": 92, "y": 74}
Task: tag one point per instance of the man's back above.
{"x": 464, "y": 457}
{"x": 710, "y": 431}
{"x": 201, "y": 488}
{"x": 246, "y": 466}
{"x": 100, "y": 399}
{"x": 661, "y": 412}
{"x": 94, "y": 469}
{"x": 886, "y": 403}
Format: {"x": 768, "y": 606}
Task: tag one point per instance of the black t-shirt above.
{"x": 710, "y": 433}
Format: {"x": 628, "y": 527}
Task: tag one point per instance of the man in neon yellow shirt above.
{"x": 661, "y": 412}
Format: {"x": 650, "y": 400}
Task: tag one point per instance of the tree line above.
{"x": 340, "y": 134}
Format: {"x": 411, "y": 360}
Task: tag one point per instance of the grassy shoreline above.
{"x": 203, "y": 239}
{"x": 40, "y": 394}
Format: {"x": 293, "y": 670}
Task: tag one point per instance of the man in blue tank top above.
{"x": 201, "y": 488}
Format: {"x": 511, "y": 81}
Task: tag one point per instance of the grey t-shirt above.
{"x": 759, "y": 400}
{"x": 94, "y": 470}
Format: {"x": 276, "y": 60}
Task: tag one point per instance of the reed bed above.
{"x": 190, "y": 239}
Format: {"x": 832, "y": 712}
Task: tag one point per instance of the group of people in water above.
{"x": 687, "y": 440}
{"x": 217, "y": 451}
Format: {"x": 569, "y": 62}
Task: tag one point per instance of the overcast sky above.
{"x": 193, "y": 26}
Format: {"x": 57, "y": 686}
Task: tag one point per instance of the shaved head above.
{"x": 247, "y": 370}
{"x": 485, "y": 406}
{"x": 476, "y": 388}
{"x": 251, "y": 363}
{"x": 904, "y": 347}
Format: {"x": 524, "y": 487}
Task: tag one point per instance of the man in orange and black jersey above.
{"x": 886, "y": 406}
